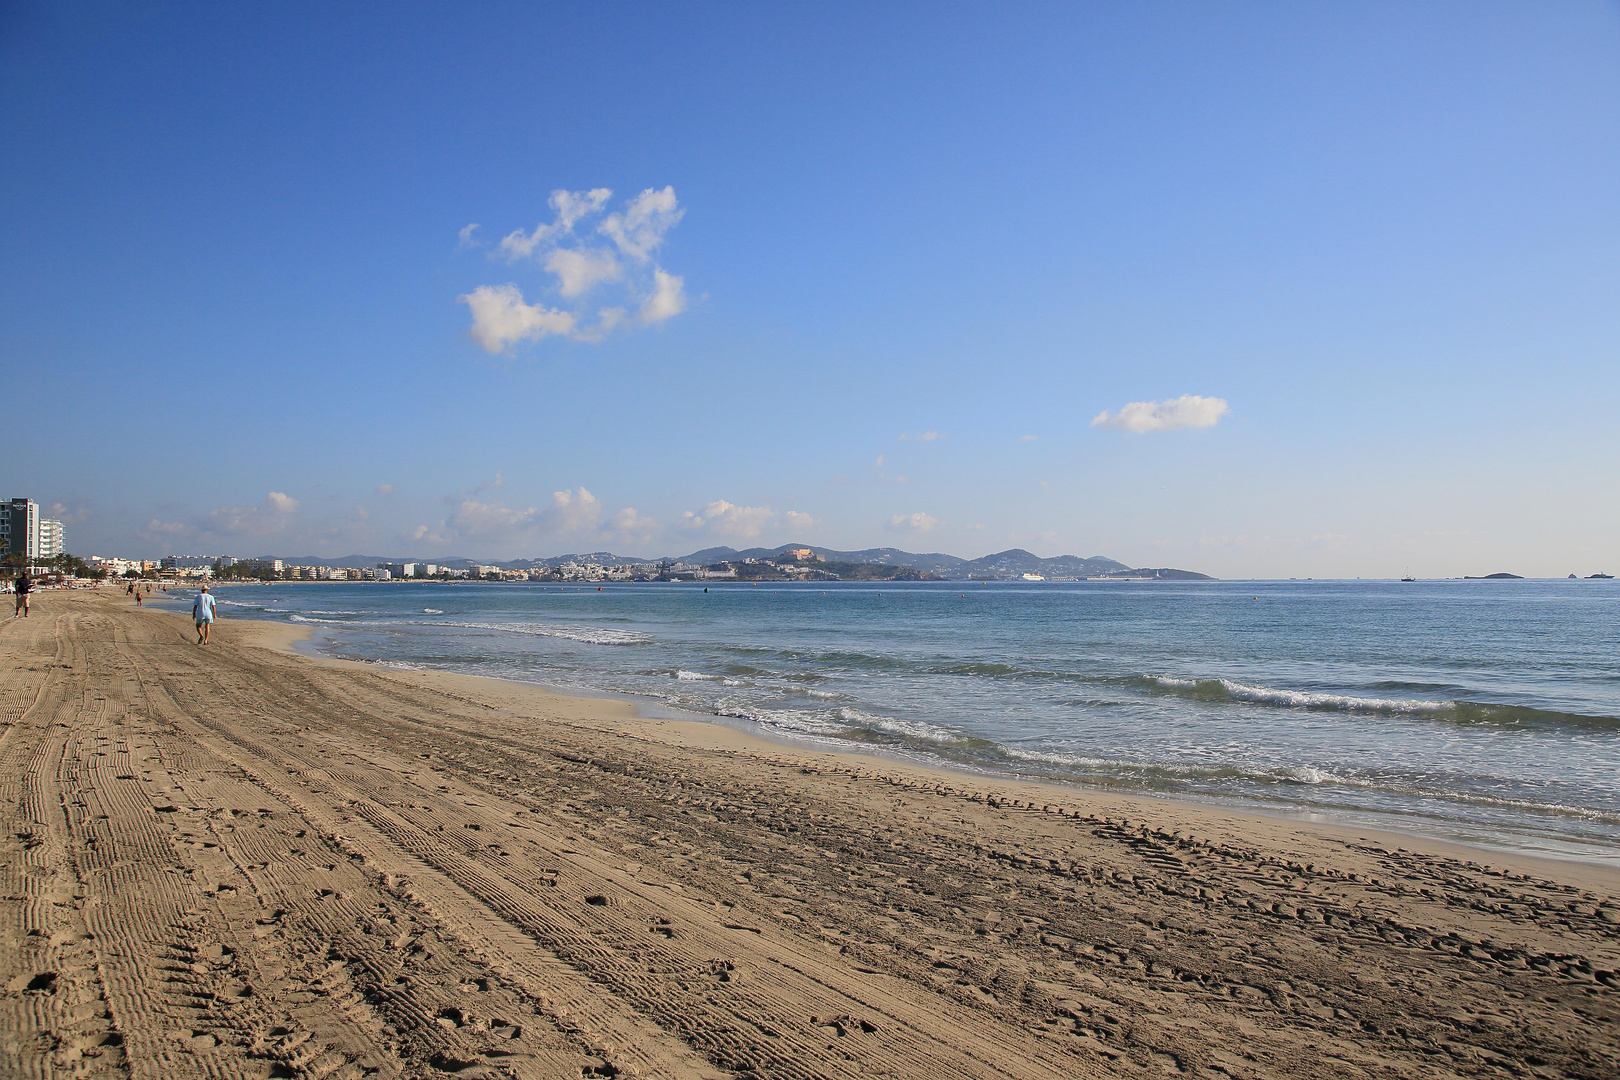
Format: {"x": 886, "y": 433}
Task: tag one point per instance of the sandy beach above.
{"x": 239, "y": 862}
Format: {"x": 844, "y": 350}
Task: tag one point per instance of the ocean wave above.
{"x": 431, "y": 611}
{"x": 591, "y": 635}
{"x": 1227, "y": 690}
{"x": 845, "y": 722}
{"x": 1217, "y": 691}
{"x": 695, "y": 676}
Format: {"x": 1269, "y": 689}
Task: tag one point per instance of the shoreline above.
{"x": 236, "y": 858}
{"x": 1373, "y": 824}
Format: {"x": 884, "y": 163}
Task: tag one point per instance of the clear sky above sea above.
{"x": 1253, "y": 289}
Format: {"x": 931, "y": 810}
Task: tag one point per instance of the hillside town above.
{"x": 35, "y": 544}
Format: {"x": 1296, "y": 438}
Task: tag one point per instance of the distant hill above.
{"x": 1011, "y": 564}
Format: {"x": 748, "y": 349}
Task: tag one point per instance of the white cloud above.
{"x": 1028, "y": 438}
{"x": 918, "y": 522}
{"x": 633, "y": 527}
{"x": 572, "y": 512}
{"x": 721, "y": 518}
{"x": 385, "y": 489}
{"x": 579, "y": 270}
{"x": 646, "y": 220}
{"x": 580, "y": 263}
{"x": 668, "y": 298}
{"x": 269, "y": 518}
{"x": 164, "y": 529}
{"x": 927, "y": 436}
{"x": 878, "y": 464}
{"x": 76, "y": 514}
{"x": 571, "y": 206}
{"x": 797, "y": 520}
{"x": 501, "y": 318}
{"x": 466, "y": 235}
{"x": 1186, "y": 411}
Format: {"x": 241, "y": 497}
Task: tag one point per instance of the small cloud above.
{"x": 362, "y": 513}
{"x": 1186, "y": 411}
{"x": 799, "y": 521}
{"x": 721, "y": 518}
{"x": 269, "y": 518}
{"x": 668, "y": 298}
{"x": 419, "y": 532}
{"x": 75, "y": 514}
{"x": 901, "y": 479}
{"x": 878, "y": 464}
{"x": 927, "y": 436}
{"x": 918, "y": 522}
{"x": 501, "y": 318}
{"x": 466, "y": 235}
{"x": 632, "y": 526}
{"x": 1028, "y": 438}
{"x": 570, "y": 206}
{"x": 578, "y": 271}
{"x": 385, "y": 489}
{"x": 165, "y": 529}
{"x": 646, "y": 220}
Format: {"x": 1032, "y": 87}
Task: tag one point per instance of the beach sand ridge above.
{"x": 232, "y": 861}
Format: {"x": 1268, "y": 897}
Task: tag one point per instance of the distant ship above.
{"x": 1600, "y": 577}
{"x": 1409, "y": 577}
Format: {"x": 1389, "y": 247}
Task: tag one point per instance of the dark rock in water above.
{"x": 1494, "y": 577}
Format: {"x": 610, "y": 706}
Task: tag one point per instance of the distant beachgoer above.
{"x": 202, "y": 610}
{"x": 22, "y": 587}
{"x": 137, "y": 598}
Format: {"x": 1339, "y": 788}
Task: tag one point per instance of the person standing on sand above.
{"x": 202, "y": 610}
{"x": 22, "y": 587}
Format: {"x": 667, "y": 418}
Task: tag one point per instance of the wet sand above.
{"x": 234, "y": 861}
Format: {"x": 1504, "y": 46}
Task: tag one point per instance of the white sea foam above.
{"x": 694, "y": 676}
{"x": 431, "y": 611}
{"x": 593, "y": 635}
{"x": 1305, "y": 699}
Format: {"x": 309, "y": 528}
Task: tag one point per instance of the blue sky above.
{"x": 876, "y": 272}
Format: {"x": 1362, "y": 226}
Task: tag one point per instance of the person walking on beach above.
{"x": 22, "y": 587}
{"x": 202, "y": 610}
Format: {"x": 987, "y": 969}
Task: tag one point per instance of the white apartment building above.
{"x": 50, "y": 538}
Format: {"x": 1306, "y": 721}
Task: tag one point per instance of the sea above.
{"x": 1480, "y": 712}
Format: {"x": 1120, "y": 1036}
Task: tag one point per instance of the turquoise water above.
{"x": 1487, "y": 712}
